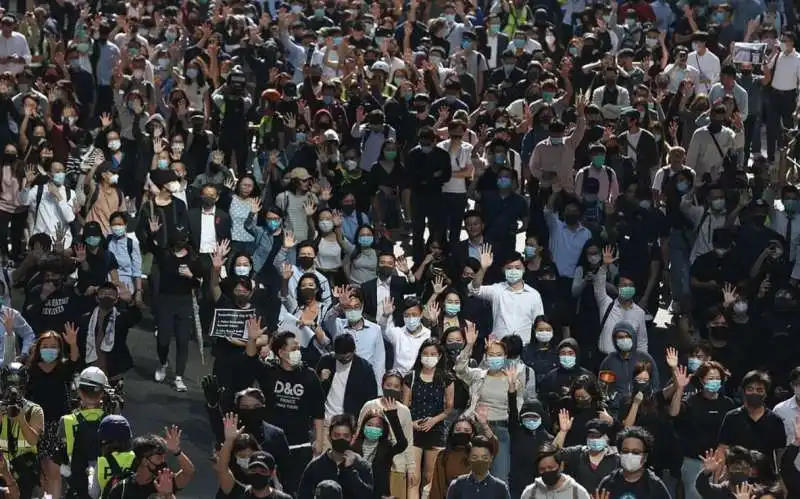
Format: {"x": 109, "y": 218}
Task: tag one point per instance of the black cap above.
{"x": 261, "y": 459}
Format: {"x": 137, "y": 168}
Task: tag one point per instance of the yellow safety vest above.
{"x": 23, "y": 447}
{"x": 70, "y": 422}
{"x": 515, "y": 19}
{"x": 104, "y": 471}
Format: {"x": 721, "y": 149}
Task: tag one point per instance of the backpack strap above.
{"x": 605, "y": 315}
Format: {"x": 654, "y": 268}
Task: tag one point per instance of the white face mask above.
{"x": 544, "y": 336}
{"x": 242, "y": 462}
{"x": 429, "y": 361}
{"x": 630, "y": 462}
{"x": 295, "y": 357}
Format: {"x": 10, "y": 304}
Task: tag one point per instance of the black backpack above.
{"x": 118, "y": 474}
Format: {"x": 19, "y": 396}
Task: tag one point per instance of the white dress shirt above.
{"x": 513, "y": 311}
{"x": 383, "y": 294}
{"x": 334, "y": 402}
{"x": 788, "y": 410}
{"x": 779, "y": 222}
{"x": 16, "y": 44}
{"x": 208, "y": 233}
{"x": 786, "y": 75}
{"x": 406, "y": 345}
{"x": 460, "y": 160}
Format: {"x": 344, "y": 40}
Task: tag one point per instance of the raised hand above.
{"x": 288, "y": 239}
{"x": 360, "y": 114}
{"x": 212, "y": 392}
{"x": 672, "y": 357}
{"x": 511, "y": 376}
{"x": 254, "y": 329}
{"x": 388, "y": 306}
{"x": 743, "y": 490}
{"x": 287, "y": 270}
{"x": 682, "y": 377}
{"x": 434, "y": 310}
{"x": 470, "y": 333}
{"x": 310, "y": 207}
{"x": 486, "y": 256}
{"x": 70, "y": 334}
{"x": 608, "y": 255}
{"x": 255, "y": 206}
{"x": 711, "y": 463}
{"x": 564, "y": 421}
{"x": 106, "y": 120}
{"x": 173, "y": 439}
{"x": 80, "y": 253}
{"x": 401, "y": 264}
{"x": 482, "y": 413}
{"x": 438, "y": 285}
{"x": 601, "y": 494}
{"x": 164, "y": 484}
{"x": 728, "y": 294}
{"x": 325, "y": 193}
{"x": 154, "y": 224}
{"x": 31, "y": 173}
{"x": 230, "y": 426}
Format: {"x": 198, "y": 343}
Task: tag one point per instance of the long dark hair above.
{"x": 358, "y": 249}
{"x": 17, "y": 168}
{"x": 440, "y": 371}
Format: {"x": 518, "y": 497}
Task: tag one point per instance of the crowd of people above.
{"x": 287, "y": 184}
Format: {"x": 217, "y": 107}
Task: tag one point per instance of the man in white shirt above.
{"x": 705, "y": 61}
{"x": 789, "y": 410}
{"x": 680, "y": 70}
{"x": 454, "y": 191}
{"x": 514, "y": 304}
{"x": 14, "y": 51}
{"x": 785, "y": 69}
{"x": 50, "y": 205}
{"x": 623, "y": 309}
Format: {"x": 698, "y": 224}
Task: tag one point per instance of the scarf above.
{"x": 108, "y": 338}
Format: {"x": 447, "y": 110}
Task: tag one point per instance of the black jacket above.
{"x": 222, "y": 225}
{"x": 384, "y": 453}
{"x": 649, "y": 485}
{"x": 398, "y": 287}
{"x": 119, "y": 359}
{"x": 361, "y": 385}
{"x": 356, "y": 479}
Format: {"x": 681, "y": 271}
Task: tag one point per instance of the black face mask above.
{"x": 393, "y": 394}
{"x": 754, "y": 400}
{"x": 571, "y": 218}
{"x": 208, "y": 201}
{"x": 305, "y": 262}
{"x": 308, "y": 293}
{"x": 715, "y": 126}
{"x": 348, "y": 208}
{"x": 251, "y": 418}
{"x": 460, "y": 439}
{"x": 259, "y": 482}
{"x": 9, "y": 158}
{"x": 550, "y": 478}
{"x": 384, "y": 272}
{"x": 340, "y": 445}
{"x": 718, "y": 332}
{"x": 106, "y": 303}
{"x": 453, "y": 349}
{"x": 643, "y": 387}
{"x": 737, "y": 478}
{"x": 759, "y": 220}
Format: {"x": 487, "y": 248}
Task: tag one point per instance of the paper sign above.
{"x": 231, "y": 322}
{"x": 750, "y": 53}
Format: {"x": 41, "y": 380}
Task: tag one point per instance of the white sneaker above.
{"x": 161, "y": 373}
{"x": 180, "y": 386}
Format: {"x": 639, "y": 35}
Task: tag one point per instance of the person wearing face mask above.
{"x": 515, "y": 304}
{"x": 605, "y": 175}
{"x": 707, "y": 220}
{"x": 50, "y": 204}
{"x": 741, "y": 467}
{"x": 505, "y": 212}
{"x": 103, "y": 332}
{"x": 633, "y": 478}
{"x": 593, "y": 459}
{"x": 557, "y": 153}
{"x": 711, "y": 145}
{"x": 712, "y": 272}
{"x": 769, "y": 436}
{"x": 379, "y": 440}
{"x": 105, "y": 195}
{"x": 340, "y": 464}
{"x": 622, "y": 361}
{"x": 701, "y": 416}
{"x": 552, "y": 482}
{"x": 12, "y": 211}
{"x": 259, "y": 469}
{"x": 304, "y": 254}
{"x": 348, "y": 381}
{"x": 540, "y": 355}
{"x": 127, "y": 252}
{"x": 151, "y": 474}
{"x": 786, "y": 222}
{"x": 96, "y": 264}
{"x": 298, "y": 404}
{"x": 559, "y": 379}
{"x": 407, "y": 339}
{"x": 480, "y": 461}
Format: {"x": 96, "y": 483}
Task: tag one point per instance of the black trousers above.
{"x": 454, "y": 207}
{"x": 175, "y": 319}
{"x": 425, "y": 206}
{"x": 779, "y": 117}
{"x": 105, "y": 100}
{"x": 17, "y": 222}
{"x": 299, "y": 457}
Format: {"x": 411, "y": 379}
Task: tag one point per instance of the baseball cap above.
{"x": 299, "y": 173}
{"x": 114, "y": 428}
{"x": 261, "y": 459}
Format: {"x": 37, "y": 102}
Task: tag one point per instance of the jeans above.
{"x": 501, "y": 466}
{"x": 679, "y": 251}
{"x": 689, "y": 471}
{"x": 752, "y": 136}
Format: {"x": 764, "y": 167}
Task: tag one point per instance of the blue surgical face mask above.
{"x": 241, "y": 270}
{"x": 504, "y": 183}
{"x": 495, "y": 363}
{"x": 449, "y": 17}
{"x": 327, "y": 99}
{"x": 712, "y": 385}
{"x": 556, "y": 141}
{"x": 625, "y": 344}
{"x": 694, "y": 363}
{"x": 519, "y": 43}
{"x": 500, "y": 158}
{"x": 58, "y": 178}
{"x": 163, "y": 164}
{"x": 465, "y": 44}
{"x": 567, "y": 361}
{"x": 412, "y": 323}
{"x": 531, "y": 424}
{"x": 596, "y": 444}
{"x": 191, "y": 73}
{"x": 353, "y": 315}
{"x": 627, "y": 292}
{"x": 300, "y": 137}
{"x": 452, "y": 308}
{"x": 790, "y": 205}
{"x": 273, "y": 225}
{"x": 93, "y": 240}
{"x": 118, "y": 230}
{"x": 365, "y": 241}
{"x": 530, "y": 251}
{"x": 513, "y": 276}
{"x": 48, "y": 354}
{"x": 683, "y": 186}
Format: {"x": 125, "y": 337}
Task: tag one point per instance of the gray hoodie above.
{"x": 622, "y": 367}
{"x": 569, "y": 489}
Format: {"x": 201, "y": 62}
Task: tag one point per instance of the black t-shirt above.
{"x": 294, "y": 398}
{"x": 699, "y": 423}
{"x": 172, "y": 282}
{"x": 51, "y": 390}
{"x": 767, "y": 434}
{"x": 100, "y": 265}
{"x": 129, "y": 489}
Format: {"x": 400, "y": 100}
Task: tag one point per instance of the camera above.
{"x": 11, "y": 403}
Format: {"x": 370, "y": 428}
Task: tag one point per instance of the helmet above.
{"x": 380, "y": 66}
{"x": 114, "y": 428}
{"x": 92, "y": 379}
{"x": 271, "y": 95}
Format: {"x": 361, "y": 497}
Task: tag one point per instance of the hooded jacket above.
{"x": 551, "y": 387}
{"x": 622, "y": 364}
{"x": 569, "y": 489}
{"x": 525, "y": 443}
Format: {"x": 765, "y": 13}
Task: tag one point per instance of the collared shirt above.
{"x": 788, "y": 411}
{"x": 130, "y": 264}
{"x": 384, "y": 292}
{"x": 767, "y": 434}
{"x": 460, "y": 160}
{"x": 334, "y": 402}
{"x": 566, "y": 245}
{"x": 16, "y": 44}
{"x": 406, "y": 345}
{"x": 513, "y": 311}
{"x": 779, "y": 222}
{"x": 350, "y": 224}
{"x": 492, "y": 41}
{"x": 559, "y": 158}
{"x": 109, "y": 56}
{"x": 786, "y": 75}
{"x": 9, "y": 344}
{"x": 469, "y": 487}
{"x": 208, "y": 232}
{"x": 677, "y": 74}
{"x": 369, "y": 341}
